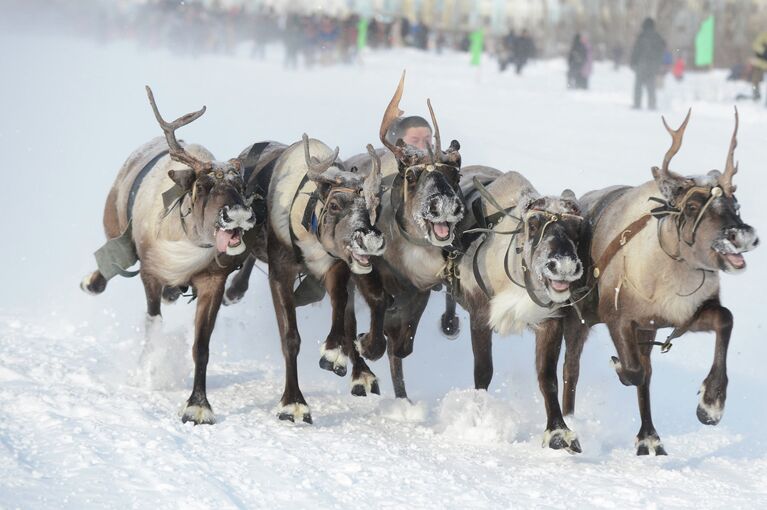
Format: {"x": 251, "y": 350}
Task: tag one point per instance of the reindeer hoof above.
{"x": 198, "y": 414}
{"x": 450, "y": 325}
{"x": 232, "y": 296}
{"x": 171, "y": 294}
{"x": 93, "y": 284}
{"x": 650, "y": 445}
{"x": 562, "y": 439}
{"x": 628, "y": 377}
{"x": 366, "y": 384}
{"x": 368, "y": 351}
{"x": 295, "y": 413}
{"x": 709, "y": 414}
{"x": 333, "y": 360}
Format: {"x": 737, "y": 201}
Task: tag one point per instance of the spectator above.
{"x": 579, "y": 64}
{"x": 758, "y": 64}
{"x": 647, "y": 62}
{"x": 524, "y": 49}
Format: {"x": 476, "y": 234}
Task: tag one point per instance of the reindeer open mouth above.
{"x": 441, "y": 230}
{"x": 731, "y": 261}
{"x": 229, "y": 241}
{"x": 558, "y": 285}
{"x": 361, "y": 247}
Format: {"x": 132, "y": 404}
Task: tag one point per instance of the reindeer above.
{"x": 197, "y": 240}
{"x": 418, "y": 217}
{"x": 519, "y": 263}
{"x": 321, "y": 222}
{"x": 656, "y": 262}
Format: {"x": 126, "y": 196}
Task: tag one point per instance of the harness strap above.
{"x": 475, "y": 267}
{"x": 619, "y": 242}
{"x": 139, "y": 178}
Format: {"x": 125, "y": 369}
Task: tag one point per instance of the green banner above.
{"x": 704, "y": 43}
{"x": 362, "y": 33}
{"x": 477, "y": 42}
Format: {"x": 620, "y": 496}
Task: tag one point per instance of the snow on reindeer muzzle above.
{"x": 232, "y": 223}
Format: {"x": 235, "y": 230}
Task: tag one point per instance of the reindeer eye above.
{"x": 691, "y": 208}
{"x": 334, "y": 207}
{"x": 410, "y": 176}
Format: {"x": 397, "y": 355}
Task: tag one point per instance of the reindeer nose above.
{"x": 434, "y": 204}
{"x": 564, "y": 266}
{"x": 370, "y": 240}
{"x": 236, "y": 214}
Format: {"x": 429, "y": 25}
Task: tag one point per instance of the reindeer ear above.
{"x": 454, "y": 146}
{"x": 570, "y": 202}
{"x": 183, "y": 178}
{"x": 671, "y": 186}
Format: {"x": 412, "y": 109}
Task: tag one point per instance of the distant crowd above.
{"x": 195, "y": 28}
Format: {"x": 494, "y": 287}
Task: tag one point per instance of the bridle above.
{"x": 174, "y": 197}
{"x": 452, "y": 174}
{"x": 521, "y": 232}
{"x": 667, "y": 209}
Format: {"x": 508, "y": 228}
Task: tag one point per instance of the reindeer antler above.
{"x": 731, "y": 168}
{"x": 391, "y": 114}
{"x": 371, "y": 187}
{"x": 317, "y": 168}
{"x": 177, "y": 152}
{"x": 676, "y": 143}
{"x": 437, "y": 140}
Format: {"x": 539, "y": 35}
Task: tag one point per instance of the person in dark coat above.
{"x": 647, "y": 62}
{"x": 524, "y": 49}
{"x": 577, "y": 62}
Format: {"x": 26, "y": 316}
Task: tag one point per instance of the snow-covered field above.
{"x": 89, "y": 421}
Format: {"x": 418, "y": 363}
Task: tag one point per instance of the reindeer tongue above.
{"x": 560, "y": 286}
{"x": 222, "y": 239}
{"x": 441, "y": 230}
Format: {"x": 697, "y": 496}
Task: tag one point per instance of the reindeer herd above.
{"x": 398, "y": 222}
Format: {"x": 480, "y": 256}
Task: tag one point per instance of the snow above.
{"x": 90, "y": 411}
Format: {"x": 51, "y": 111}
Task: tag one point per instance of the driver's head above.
{"x": 413, "y": 130}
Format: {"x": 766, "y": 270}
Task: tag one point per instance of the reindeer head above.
{"x": 218, "y": 211}
{"x": 432, "y": 202}
{"x": 710, "y": 233}
{"x": 551, "y": 229}
{"x": 345, "y": 225}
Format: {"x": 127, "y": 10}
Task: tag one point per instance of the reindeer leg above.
{"x": 364, "y": 381}
{"x": 372, "y": 344}
{"x": 449, "y": 322}
{"x": 712, "y": 316}
{"x": 575, "y": 337}
{"x": 403, "y": 346}
{"x": 482, "y": 346}
{"x": 647, "y": 440}
{"x": 240, "y": 280}
{"x": 332, "y": 355}
{"x": 210, "y": 290}
{"x": 397, "y": 375}
{"x": 627, "y": 364}
{"x": 548, "y": 343}
{"x": 153, "y": 291}
{"x": 282, "y": 274}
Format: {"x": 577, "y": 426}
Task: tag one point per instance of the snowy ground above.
{"x": 91, "y": 423}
